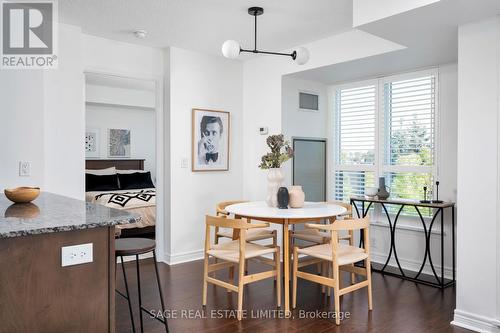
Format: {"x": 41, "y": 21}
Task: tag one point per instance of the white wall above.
{"x": 21, "y": 113}
{"x": 478, "y": 176}
{"x": 42, "y": 122}
{"x": 210, "y": 82}
{"x": 142, "y": 130}
{"x": 101, "y": 54}
{"x": 295, "y": 123}
{"x": 120, "y": 96}
{"x": 64, "y": 118}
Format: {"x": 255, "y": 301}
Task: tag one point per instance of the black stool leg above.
{"x": 161, "y": 293}
{"x": 128, "y": 295}
{"x": 139, "y": 290}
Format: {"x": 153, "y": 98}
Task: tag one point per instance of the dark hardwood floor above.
{"x": 398, "y": 305}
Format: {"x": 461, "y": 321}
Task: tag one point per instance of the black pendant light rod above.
{"x": 256, "y": 11}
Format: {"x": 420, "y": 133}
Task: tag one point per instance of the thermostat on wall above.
{"x": 263, "y": 130}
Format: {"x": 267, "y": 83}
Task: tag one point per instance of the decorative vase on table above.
{"x": 272, "y": 161}
{"x": 274, "y": 181}
{"x": 283, "y": 198}
{"x": 297, "y": 196}
{"x": 382, "y": 189}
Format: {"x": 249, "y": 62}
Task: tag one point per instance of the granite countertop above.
{"x": 54, "y": 213}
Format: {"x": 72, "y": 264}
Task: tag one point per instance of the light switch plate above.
{"x": 76, "y": 254}
{"x": 184, "y": 163}
{"x": 24, "y": 169}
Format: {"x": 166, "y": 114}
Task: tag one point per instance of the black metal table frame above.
{"x": 427, "y": 231}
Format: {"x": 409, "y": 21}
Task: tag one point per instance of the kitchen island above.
{"x": 57, "y": 265}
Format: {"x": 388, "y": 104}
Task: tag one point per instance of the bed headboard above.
{"x": 128, "y": 164}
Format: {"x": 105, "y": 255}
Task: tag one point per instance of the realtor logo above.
{"x": 28, "y": 34}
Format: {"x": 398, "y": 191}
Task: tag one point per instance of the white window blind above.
{"x": 409, "y": 132}
{"x": 356, "y": 125}
{"x": 356, "y": 140}
{"x": 409, "y": 121}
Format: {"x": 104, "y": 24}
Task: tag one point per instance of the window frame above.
{"x": 379, "y": 168}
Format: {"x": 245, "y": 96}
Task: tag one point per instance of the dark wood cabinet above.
{"x": 37, "y": 294}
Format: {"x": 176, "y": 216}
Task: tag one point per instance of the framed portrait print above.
{"x": 210, "y": 140}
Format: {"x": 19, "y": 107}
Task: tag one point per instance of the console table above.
{"x": 434, "y": 280}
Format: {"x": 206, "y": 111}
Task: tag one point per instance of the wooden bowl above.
{"x": 22, "y": 194}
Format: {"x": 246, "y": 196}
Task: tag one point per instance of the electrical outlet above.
{"x": 76, "y": 254}
{"x": 24, "y": 169}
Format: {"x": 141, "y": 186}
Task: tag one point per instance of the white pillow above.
{"x": 102, "y": 172}
{"x": 130, "y": 171}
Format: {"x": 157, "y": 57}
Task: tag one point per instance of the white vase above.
{"x": 297, "y": 196}
{"x": 274, "y": 181}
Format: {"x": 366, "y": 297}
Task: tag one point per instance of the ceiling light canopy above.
{"x": 231, "y": 49}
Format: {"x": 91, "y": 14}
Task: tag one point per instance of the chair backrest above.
{"x": 225, "y": 222}
{"x": 345, "y": 225}
{"x": 220, "y": 208}
{"x": 345, "y": 205}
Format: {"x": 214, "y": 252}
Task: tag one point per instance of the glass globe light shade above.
{"x": 231, "y": 49}
{"x": 302, "y": 55}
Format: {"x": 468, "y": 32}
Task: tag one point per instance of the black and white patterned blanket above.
{"x": 127, "y": 199}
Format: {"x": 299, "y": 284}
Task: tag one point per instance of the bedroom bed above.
{"x": 137, "y": 196}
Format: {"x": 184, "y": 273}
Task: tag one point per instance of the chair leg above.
{"x": 329, "y": 273}
{"x": 351, "y": 242}
{"x": 278, "y": 276}
{"x": 231, "y": 276}
{"x": 161, "y": 292}
{"x": 294, "y": 278}
{"x": 205, "y": 283}
{"x": 139, "y": 291}
{"x": 241, "y": 274}
{"x": 324, "y": 272}
{"x": 369, "y": 277}
{"x": 275, "y": 243}
{"x": 336, "y": 289}
{"x": 128, "y": 296}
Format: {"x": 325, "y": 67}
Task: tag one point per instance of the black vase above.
{"x": 283, "y": 198}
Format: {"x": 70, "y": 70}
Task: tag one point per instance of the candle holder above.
{"x": 437, "y": 201}
{"x": 425, "y": 196}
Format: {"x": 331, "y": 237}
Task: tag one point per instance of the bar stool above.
{"x": 134, "y": 247}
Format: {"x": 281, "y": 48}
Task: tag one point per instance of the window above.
{"x": 386, "y": 128}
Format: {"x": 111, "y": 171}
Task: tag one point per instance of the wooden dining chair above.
{"x": 238, "y": 252}
{"x": 252, "y": 234}
{"x": 340, "y": 257}
{"x": 315, "y": 237}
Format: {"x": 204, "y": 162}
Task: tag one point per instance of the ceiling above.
{"x": 203, "y": 25}
{"x": 430, "y": 34}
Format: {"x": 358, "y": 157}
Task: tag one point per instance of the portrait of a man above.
{"x": 210, "y": 140}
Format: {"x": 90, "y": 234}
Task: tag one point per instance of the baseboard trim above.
{"x": 179, "y": 258}
{"x": 475, "y": 322}
{"x": 411, "y": 265}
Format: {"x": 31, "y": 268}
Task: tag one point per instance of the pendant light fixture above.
{"x": 232, "y": 49}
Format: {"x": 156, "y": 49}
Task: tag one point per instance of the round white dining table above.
{"x": 311, "y": 211}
